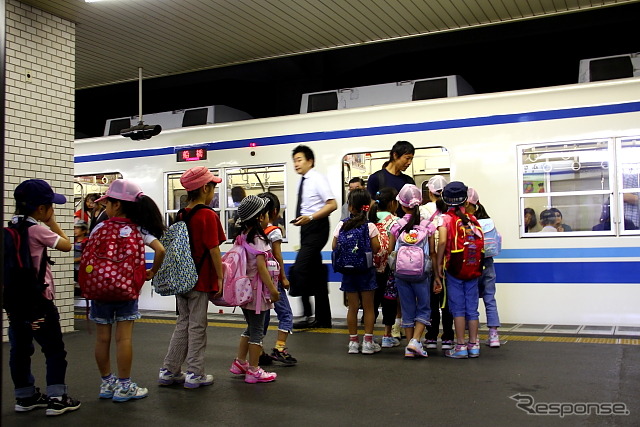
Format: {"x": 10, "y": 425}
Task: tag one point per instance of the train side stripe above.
{"x": 533, "y": 116}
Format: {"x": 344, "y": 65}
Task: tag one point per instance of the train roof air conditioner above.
{"x": 180, "y": 118}
{"x": 609, "y": 67}
{"x": 386, "y": 93}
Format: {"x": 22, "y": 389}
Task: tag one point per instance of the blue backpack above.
{"x": 492, "y": 238}
{"x": 353, "y": 253}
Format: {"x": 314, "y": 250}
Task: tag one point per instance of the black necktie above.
{"x": 299, "y": 205}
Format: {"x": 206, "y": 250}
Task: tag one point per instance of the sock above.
{"x": 109, "y": 377}
{"x": 124, "y": 382}
{"x": 58, "y": 398}
{"x": 353, "y": 338}
{"x": 398, "y": 321}
{"x": 280, "y": 345}
{"x": 368, "y": 337}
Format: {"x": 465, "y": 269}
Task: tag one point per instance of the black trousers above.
{"x": 447, "y": 318}
{"x": 310, "y": 275}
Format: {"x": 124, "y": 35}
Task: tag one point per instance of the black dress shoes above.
{"x": 308, "y": 324}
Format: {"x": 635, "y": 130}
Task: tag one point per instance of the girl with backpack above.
{"x": 253, "y": 220}
{"x": 360, "y": 283}
{"x": 459, "y": 255}
{"x": 189, "y": 339}
{"x": 134, "y": 221}
{"x": 382, "y": 215}
{"x": 487, "y": 282}
{"x": 414, "y": 290}
{"x": 282, "y": 306}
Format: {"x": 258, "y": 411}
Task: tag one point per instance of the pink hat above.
{"x": 410, "y": 196}
{"x": 197, "y": 177}
{"x": 436, "y": 184}
{"x": 122, "y": 190}
{"x": 472, "y": 196}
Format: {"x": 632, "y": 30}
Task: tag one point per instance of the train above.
{"x": 575, "y": 148}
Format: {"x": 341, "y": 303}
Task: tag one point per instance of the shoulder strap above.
{"x": 270, "y": 228}
{"x": 186, "y": 217}
{"x": 20, "y": 235}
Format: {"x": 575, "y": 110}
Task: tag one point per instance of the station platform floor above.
{"x": 541, "y": 375}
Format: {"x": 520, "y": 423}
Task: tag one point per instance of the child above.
{"x": 253, "y": 220}
{"x": 487, "y": 282}
{"x": 34, "y": 202}
{"x": 462, "y": 293}
{"x": 80, "y": 229}
{"x": 433, "y": 211}
{"x": 282, "y": 306}
{"x": 381, "y": 215}
{"x": 414, "y": 295}
{"x": 123, "y": 199}
{"x": 189, "y": 339}
{"x": 361, "y": 285}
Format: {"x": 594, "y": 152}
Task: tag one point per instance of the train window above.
{"x": 566, "y": 186}
{"x": 427, "y": 162}
{"x": 629, "y": 178}
{"x": 245, "y": 181}
{"x": 91, "y": 184}
{"x": 177, "y": 196}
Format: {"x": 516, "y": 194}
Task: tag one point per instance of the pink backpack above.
{"x": 237, "y": 289}
{"x": 413, "y": 263}
{"x": 112, "y": 267}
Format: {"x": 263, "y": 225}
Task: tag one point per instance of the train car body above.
{"x": 573, "y": 147}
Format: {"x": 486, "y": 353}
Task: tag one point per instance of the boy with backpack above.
{"x": 414, "y": 242}
{"x": 28, "y": 298}
{"x": 459, "y": 255}
{"x": 355, "y": 240}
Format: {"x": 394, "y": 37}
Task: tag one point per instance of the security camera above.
{"x": 141, "y": 131}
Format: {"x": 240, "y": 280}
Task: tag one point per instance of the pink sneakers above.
{"x": 238, "y": 368}
{"x": 259, "y": 376}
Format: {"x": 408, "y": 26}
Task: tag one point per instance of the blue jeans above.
{"x": 255, "y": 326}
{"x": 487, "y": 291}
{"x": 283, "y": 311}
{"x": 414, "y": 301}
{"x": 49, "y": 337}
{"x": 462, "y": 297}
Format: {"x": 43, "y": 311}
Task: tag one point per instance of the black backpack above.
{"x": 24, "y": 284}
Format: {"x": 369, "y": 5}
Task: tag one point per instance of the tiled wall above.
{"x": 39, "y": 120}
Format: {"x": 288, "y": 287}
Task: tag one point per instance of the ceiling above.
{"x": 167, "y": 37}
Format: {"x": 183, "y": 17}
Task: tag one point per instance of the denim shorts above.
{"x": 359, "y": 282}
{"x": 107, "y": 313}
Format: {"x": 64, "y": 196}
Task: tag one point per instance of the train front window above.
{"x": 245, "y": 181}
{"x": 177, "y": 196}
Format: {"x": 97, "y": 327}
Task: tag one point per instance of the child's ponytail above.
{"x": 360, "y": 201}
{"x": 383, "y": 199}
{"x": 145, "y": 213}
{"x": 413, "y": 221}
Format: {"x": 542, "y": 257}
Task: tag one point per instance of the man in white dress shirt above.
{"x": 314, "y": 205}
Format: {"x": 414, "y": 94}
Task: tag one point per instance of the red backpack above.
{"x": 467, "y": 247}
{"x": 380, "y": 258}
{"x": 112, "y": 267}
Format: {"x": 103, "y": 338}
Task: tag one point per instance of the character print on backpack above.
{"x": 467, "y": 247}
{"x": 353, "y": 253}
{"x": 412, "y": 261}
{"x": 112, "y": 267}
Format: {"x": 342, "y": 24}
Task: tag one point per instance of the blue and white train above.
{"x": 575, "y": 148}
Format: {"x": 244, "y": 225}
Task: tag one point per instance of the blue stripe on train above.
{"x": 498, "y": 119}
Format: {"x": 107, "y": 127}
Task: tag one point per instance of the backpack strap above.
{"x": 20, "y": 235}
{"x": 186, "y": 217}
{"x": 270, "y": 228}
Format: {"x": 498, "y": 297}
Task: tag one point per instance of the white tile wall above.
{"x": 39, "y": 120}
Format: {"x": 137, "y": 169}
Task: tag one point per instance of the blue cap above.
{"x": 455, "y": 193}
{"x": 35, "y": 192}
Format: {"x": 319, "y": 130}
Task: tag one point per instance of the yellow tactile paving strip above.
{"x": 504, "y": 336}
